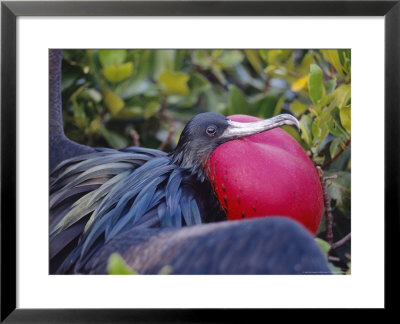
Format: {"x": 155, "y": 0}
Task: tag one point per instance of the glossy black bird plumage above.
{"x": 103, "y": 194}
{"x": 273, "y": 245}
{"x": 129, "y": 201}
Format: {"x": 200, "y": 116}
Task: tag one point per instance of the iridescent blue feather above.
{"x": 108, "y": 192}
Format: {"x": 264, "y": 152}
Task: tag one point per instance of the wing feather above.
{"x": 99, "y": 196}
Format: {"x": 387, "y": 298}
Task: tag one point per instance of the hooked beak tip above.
{"x": 293, "y": 121}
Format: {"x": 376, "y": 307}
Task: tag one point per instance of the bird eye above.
{"x": 211, "y": 130}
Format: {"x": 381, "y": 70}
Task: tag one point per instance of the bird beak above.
{"x": 237, "y": 130}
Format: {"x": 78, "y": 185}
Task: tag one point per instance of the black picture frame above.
{"x": 10, "y": 10}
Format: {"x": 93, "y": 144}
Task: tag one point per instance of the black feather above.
{"x": 115, "y": 191}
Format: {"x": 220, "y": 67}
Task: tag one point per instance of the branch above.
{"x": 164, "y": 116}
{"x": 332, "y": 258}
{"x": 135, "y": 137}
{"x": 341, "y": 242}
{"x": 165, "y": 142}
{"x": 327, "y": 205}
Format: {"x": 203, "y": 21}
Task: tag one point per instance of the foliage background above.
{"x": 117, "y": 98}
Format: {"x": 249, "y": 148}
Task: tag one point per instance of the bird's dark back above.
{"x": 96, "y": 197}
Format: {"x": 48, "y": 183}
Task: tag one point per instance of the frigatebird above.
{"x": 104, "y": 200}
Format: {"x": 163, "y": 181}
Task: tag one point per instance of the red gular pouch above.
{"x": 266, "y": 174}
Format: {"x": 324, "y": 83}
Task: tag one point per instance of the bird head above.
{"x": 206, "y": 131}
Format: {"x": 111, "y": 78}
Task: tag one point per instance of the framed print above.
{"x": 293, "y": 63}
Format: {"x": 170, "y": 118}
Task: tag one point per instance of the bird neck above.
{"x": 55, "y": 113}
{"x": 194, "y": 162}
{"x": 61, "y": 147}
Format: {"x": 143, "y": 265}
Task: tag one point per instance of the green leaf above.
{"x": 94, "y": 95}
{"x": 339, "y": 189}
{"x": 117, "y": 266}
{"x": 198, "y": 83}
{"x": 217, "y": 71}
{"x": 345, "y": 59}
{"x": 298, "y": 108}
{"x": 254, "y": 59}
{"x": 304, "y": 67}
{"x": 315, "y": 84}
{"x": 345, "y": 117}
{"x": 151, "y": 109}
{"x": 330, "y": 86}
{"x": 230, "y": 58}
{"x": 292, "y": 131}
{"x": 113, "y": 139}
{"x": 263, "y": 54}
{"x": 215, "y": 54}
{"x": 264, "y": 107}
{"x": 165, "y": 270}
{"x": 216, "y": 100}
{"x": 330, "y": 116}
{"x": 129, "y": 112}
{"x": 323, "y": 245}
{"x": 111, "y": 56}
{"x": 335, "y": 147}
{"x": 112, "y": 101}
{"x": 332, "y": 56}
{"x": 80, "y": 117}
{"x": 279, "y": 105}
{"x": 202, "y": 58}
{"x": 237, "y": 101}
{"x": 316, "y": 131}
{"x": 334, "y": 124}
{"x": 94, "y": 127}
{"x": 69, "y": 77}
{"x": 305, "y": 126}
{"x": 300, "y": 84}
{"x": 81, "y": 122}
{"x": 276, "y": 55}
{"x": 143, "y": 63}
{"x": 180, "y": 56}
{"x": 342, "y": 96}
{"x": 116, "y": 73}
{"x": 174, "y": 82}
{"x": 164, "y": 60}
